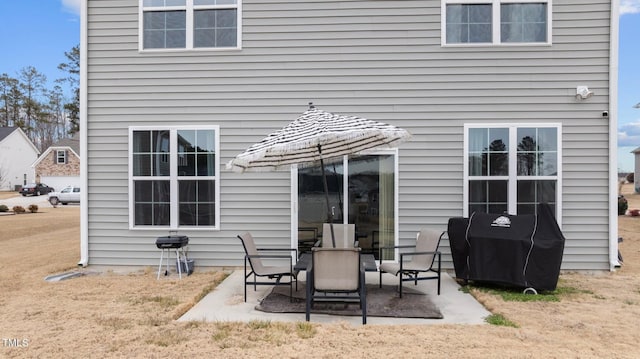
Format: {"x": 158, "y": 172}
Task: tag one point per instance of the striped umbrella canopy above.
{"x": 313, "y": 137}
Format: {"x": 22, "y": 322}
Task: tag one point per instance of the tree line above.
{"x": 44, "y": 113}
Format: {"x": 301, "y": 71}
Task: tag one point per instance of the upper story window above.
{"x": 61, "y": 156}
{"x": 190, "y": 24}
{"x": 174, "y": 180}
{"x": 494, "y": 22}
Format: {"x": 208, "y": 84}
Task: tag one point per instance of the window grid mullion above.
{"x": 512, "y": 184}
{"x": 173, "y": 176}
{"x": 495, "y": 21}
{"x": 189, "y": 25}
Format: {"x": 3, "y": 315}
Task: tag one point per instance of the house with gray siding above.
{"x": 510, "y": 104}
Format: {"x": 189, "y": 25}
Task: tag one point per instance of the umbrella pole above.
{"x": 326, "y": 195}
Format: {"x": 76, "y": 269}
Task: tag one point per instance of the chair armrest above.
{"x": 403, "y": 246}
{"x": 267, "y": 256}
{"x": 278, "y": 250}
{"x": 381, "y": 249}
{"x": 417, "y": 253}
{"x": 271, "y": 256}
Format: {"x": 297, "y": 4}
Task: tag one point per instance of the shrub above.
{"x": 18, "y": 209}
{"x": 622, "y": 205}
{"x": 33, "y": 208}
{"x": 4, "y": 208}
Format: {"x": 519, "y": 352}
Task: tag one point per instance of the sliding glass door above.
{"x": 369, "y": 200}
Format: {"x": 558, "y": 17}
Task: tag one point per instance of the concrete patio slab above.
{"x": 226, "y": 303}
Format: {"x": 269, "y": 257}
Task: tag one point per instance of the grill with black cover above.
{"x": 516, "y": 250}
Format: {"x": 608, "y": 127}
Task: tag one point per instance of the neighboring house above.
{"x": 636, "y": 169}
{"x": 59, "y": 165}
{"x": 510, "y": 104}
{"x": 17, "y": 153}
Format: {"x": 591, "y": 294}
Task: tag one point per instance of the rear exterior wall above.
{"x": 381, "y": 60}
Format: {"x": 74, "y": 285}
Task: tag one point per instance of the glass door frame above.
{"x": 345, "y": 194}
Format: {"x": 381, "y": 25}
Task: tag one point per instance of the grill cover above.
{"x": 174, "y": 241}
{"x": 523, "y": 251}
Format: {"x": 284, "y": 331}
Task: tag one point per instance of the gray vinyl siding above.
{"x": 381, "y": 60}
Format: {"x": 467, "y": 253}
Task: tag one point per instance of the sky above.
{"x": 38, "y": 32}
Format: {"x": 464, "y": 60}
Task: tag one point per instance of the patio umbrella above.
{"x": 313, "y": 137}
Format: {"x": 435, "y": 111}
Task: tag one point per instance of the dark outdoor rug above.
{"x": 381, "y": 302}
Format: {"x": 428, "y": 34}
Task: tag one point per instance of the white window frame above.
{"x": 174, "y": 178}
{"x": 189, "y": 26}
{"x": 513, "y": 178}
{"x": 495, "y": 18}
{"x": 63, "y": 157}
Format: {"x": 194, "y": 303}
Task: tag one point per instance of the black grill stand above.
{"x": 169, "y": 243}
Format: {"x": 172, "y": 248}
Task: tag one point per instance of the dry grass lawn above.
{"x": 133, "y": 315}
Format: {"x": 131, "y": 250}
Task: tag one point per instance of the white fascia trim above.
{"x": 613, "y": 135}
{"x": 84, "y": 197}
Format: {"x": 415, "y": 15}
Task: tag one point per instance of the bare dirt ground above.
{"x": 133, "y": 315}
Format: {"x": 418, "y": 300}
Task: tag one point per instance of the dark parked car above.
{"x": 35, "y": 189}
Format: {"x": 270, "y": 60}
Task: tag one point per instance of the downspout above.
{"x": 613, "y": 134}
{"x": 84, "y": 217}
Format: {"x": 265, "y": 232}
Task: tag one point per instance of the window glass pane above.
{"x": 546, "y": 192}
{"x": 498, "y": 139}
{"x": 186, "y": 140}
{"x": 479, "y": 33}
{"x": 468, "y": 23}
{"x": 527, "y": 139}
{"x": 162, "y": 3}
{"x": 196, "y": 153}
{"x": 499, "y": 164}
{"x": 150, "y": 153}
{"x": 499, "y": 208}
{"x": 164, "y": 29}
{"x": 206, "y": 164}
{"x": 488, "y": 196}
{"x": 526, "y": 209}
{"x": 197, "y": 202}
{"x": 499, "y": 152}
{"x": 206, "y": 141}
{"x": 532, "y": 193}
{"x": 214, "y": 2}
{"x": 215, "y": 28}
{"x": 141, "y": 141}
{"x": 478, "y": 191}
{"x": 523, "y": 22}
{"x": 478, "y": 139}
{"x": 526, "y": 191}
{"x": 547, "y": 139}
{"x": 547, "y": 164}
{"x": 142, "y": 165}
{"x": 478, "y": 164}
{"x": 187, "y": 164}
{"x": 498, "y": 192}
{"x": 152, "y": 203}
{"x": 531, "y": 160}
